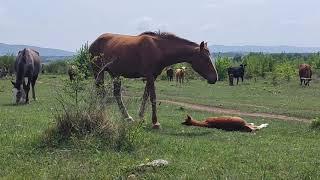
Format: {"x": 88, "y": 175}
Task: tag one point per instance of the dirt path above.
{"x": 200, "y": 107}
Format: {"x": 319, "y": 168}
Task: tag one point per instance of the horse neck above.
{"x": 176, "y": 52}
{"x": 19, "y": 74}
{"x": 198, "y": 123}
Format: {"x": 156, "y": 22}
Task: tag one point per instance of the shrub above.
{"x": 82, "y": 60}
{"x": 7, "y": 62}
{"x": 285, "y": 71}
{"x": 57, "y": 67}
{"x": 222, "y": 65}
{"x": 81, "y": 118}
{"x": 315, "y": 124}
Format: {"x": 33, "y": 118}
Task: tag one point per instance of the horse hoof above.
{"x": 156, "y": 126}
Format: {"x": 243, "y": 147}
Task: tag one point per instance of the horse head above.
{"x": 187, "y": 121}
{"x": 18, "y": 93}
{"x": 202, "y": 63}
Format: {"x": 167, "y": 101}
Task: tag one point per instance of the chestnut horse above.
{"x": 146, "y": 55}
{"x": 180, "y": 74}
{"x": 227, "y": 123}
{"x": 305, "y": 74}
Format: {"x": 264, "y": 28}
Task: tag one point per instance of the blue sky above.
{"x": 66, "y": 24}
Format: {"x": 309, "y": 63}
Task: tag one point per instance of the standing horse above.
{"x": 305, "y": 74}
{"x": 27, "y": 67}
{"x": 146, "y": 55}
{"x": 180, "y": 74}
{"x": 169, "y": 72}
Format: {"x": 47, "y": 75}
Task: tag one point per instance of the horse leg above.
{"x": 230, "y": 80}
{"x": 26, "y": 89}
{"x": 33, "y": 82}
{"x": 237, "y": 80}
{"x": 99, "y": 79}
{"x": 144, "y": 100}
{"x": 117, "y": 95}
{"x": 241, "y": 78}
{"x": 152, "y": 91}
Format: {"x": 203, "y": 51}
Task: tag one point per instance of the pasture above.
{"x": 284, "y": 150}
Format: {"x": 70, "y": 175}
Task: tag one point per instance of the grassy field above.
{"x": 286, "y": 99}
{"x": 284, "y": 150}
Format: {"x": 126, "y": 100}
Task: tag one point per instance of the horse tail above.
{"x": 262, "y": 126}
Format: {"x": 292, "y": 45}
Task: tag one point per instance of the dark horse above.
{"x": 305, "y": 74}
{"x": 146, "y": 55}
{"x": 27, "y": 67}
{"x": 169, "y": 72}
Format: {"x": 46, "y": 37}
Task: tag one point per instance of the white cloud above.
{"x": 208, "y": 27}
{"x": 146, "y": 23}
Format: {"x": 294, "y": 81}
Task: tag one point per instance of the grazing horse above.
{"x": 72, "y": 72}
{"x": 146, "y": 55}
{"x": 169, "y": 72}
{"x": 180, "y": 74}
{"x": 27, "y": 67}
{"x": 305, "y": 74}
{"x": 227, "y": 123}
{"x": 236, "y": 72}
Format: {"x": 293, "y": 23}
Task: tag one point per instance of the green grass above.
{"x": 286, "y": 99}
{"x": 284, "y": 150}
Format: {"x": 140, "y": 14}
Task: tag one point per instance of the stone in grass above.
{"x": 147, "y": 167}
{"x": 152, "y": 165}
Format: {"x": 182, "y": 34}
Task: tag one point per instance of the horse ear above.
{"x": 36, "y": 52}
{"x": 189, "y": 117}
{"x": 206, "y": 44}
{"x": 202, "y": 46}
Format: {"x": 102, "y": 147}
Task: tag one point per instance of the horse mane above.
{"x": 168, "y": 36}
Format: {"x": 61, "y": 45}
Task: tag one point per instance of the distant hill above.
{"x": 264, "y": 49}
{"x": 13, "y": 49}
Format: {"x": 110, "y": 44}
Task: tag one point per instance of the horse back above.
{"x": 226, "y": 123}
{"x": 305, "y": 70}
{"x": 28, "y": 62}
{"x": 130, "y": 56}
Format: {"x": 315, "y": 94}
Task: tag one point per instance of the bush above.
{"x": 222, "y": 65}
{"x": 285, "y": 71}
{"x": 57, "y": 67}
{"x": 82, "y": 60}
{"x": 82, "y": 118}
{"x": 7, "y": 62}
{"x": 315, "y": 124}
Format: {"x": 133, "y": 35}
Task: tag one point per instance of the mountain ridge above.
{"x": 14, "y": 49}
{"x": 263, "y": 49}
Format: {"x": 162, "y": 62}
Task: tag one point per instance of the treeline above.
{"x": 7, "y": 63}
{"x": 274, "y": 66}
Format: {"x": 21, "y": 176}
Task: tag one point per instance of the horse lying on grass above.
{"x": 227, "y": 123}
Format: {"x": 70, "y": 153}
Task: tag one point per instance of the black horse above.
{"x": 27, "y": 68}
{"x": 236, "y": 72}
{"x": 169, "y": 74}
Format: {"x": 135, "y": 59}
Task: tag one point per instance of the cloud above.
{"x": 143, "y": 23}
{"x": 146, "y": 23}
{"x": 208, "y": 27}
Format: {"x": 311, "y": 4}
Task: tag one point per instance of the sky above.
{"x": 67, "y": 24}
